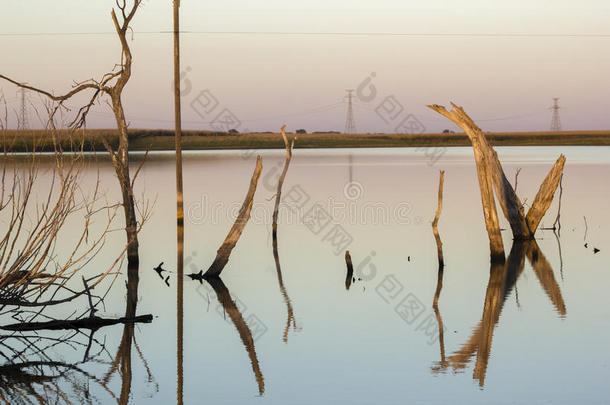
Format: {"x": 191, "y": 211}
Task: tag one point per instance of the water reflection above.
{"x": 34, "y": 373}
{"x": 290, "y": 319}
{"x": 502, "y": 280}
{"x": 224, "y": 298}
{"x": 122, "y": 360}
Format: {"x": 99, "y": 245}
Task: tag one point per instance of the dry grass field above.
{"x": 24, "y": 141}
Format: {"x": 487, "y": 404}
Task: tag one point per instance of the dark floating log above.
{"x": 93, "y": 322}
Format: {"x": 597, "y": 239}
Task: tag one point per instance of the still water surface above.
{"x": 535, "y": 332}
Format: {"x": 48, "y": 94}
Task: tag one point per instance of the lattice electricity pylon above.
{"x": 350, "y": 123}
{"x": 23, "y": 113}
{"x": 555, "y": 121}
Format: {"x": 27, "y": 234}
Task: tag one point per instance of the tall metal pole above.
{"x": 179, "y": 206}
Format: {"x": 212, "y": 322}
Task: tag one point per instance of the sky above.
{"x": 269, "y": 63}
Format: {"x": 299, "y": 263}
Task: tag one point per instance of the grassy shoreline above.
{"x": 162, "y": 140}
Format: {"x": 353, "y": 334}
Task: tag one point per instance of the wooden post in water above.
{"x": 179, "y": 204}
{"x": 439, "y": 243}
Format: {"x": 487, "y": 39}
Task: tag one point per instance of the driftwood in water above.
{"x": 439, "y": 208}
{"x": 223, "y": 253}
{"x": 230, "y": 308}
{"x": 488, "y": 166}
{"x": 350, "y": 270}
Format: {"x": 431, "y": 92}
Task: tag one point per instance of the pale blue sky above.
{"x": 266, "y": 80}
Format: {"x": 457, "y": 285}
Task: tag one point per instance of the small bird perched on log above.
{"x": 159, "y": 269}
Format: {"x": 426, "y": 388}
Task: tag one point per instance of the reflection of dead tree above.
{"x": 222, "y": 256}
{"x": 30, "y": 373}
{"x": 122, "y": 360}
{"x": 290, "y": 312}
{"x": 290, "y": 320}
{"x": 111, "y": 84}
{"x": 502, "y": 280}
{"x": 224, "y": 297}
{"x": 492, "y": 178}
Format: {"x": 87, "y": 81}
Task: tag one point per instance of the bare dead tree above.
{"x": 278, "y": 195}
{"x": 290, "y": 319}
{"x": 39, "y": 257}
{"x": 112, "y": 85}
{"x": 492, "y": 178}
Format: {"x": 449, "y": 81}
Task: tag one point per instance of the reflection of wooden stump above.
{"x": 231, "y": 309}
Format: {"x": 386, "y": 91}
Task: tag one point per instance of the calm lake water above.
{"x": 536, "y": 335}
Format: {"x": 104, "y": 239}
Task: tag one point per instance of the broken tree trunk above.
{"x": 439, "y": 243}
{"x": 222, "y": 256}
{"x": 545, "y": 195}
{"x": 523, "y": 227}
{"x": 280, "y": 183}
{"x": 485, "y": 179}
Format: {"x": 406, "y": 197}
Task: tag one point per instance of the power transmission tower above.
{"x": 350, "y": 124}
{"x": 23, "y": 113}
{"x": 555, "y": 122}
